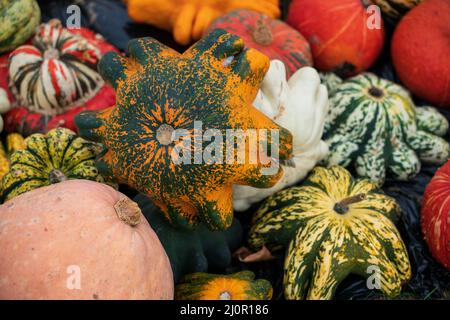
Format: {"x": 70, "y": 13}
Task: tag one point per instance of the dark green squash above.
{"x": 191, "y": 251}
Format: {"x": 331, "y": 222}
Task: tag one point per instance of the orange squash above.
{"x": 80, "y": 239}
{"x": 189, "y": 19}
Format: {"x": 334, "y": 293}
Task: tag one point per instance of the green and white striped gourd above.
{"x": 18, "y": 21}
{"x": 374, "y": 125}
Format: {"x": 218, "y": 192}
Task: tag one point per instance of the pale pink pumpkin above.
{"x": 67, "y": 241}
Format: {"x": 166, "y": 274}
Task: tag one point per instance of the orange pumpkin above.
{"x": 80, "y": 239}
{"x": 342, "y": 35}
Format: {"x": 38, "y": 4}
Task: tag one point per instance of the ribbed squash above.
{"x": 237, "y": 286}
{"x": 332, "y": 226}
{"x": 18, "y": 21}
{"x": 374, "y": 125}
{"x": 57, "y": 156}
{"x": 396, "y": 8}
{"x": 273, "y": 37}
{"x": 192, "y": 251}
{"x": 14, "y": 142}
{"x": 189, "y": 19}
{"x": 161, "y": 93}
{"x": 54, "y": 78}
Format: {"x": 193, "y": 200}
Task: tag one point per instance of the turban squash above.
{"x": 46, "y": 159}
{"x": 273, "y": 37}
{"x": 332, "y": 225}
{"x": 189, "y": 19}
{"x": 238, "y": 286}
{"x": 436, "y": 217}
{"x": 54, "y": 78}
{"x": 79, "y": 239}
{"x": 160, "y": 94}
{"x": 19, "y": 19}
{"x": 374, "y": 125}
{"x": 192, "y": 250}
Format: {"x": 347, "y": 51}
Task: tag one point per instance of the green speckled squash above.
{"x": 57, "y": 156}
{"x": 192, "y": 251}
{"x": 162, "y": 94}
{"x": 332, "y": 226}
{"x": 18, "y": 21}
{"x": 238, "y": 286}
{"x": 374, "y": 125}
{"x": 395, "y": 9}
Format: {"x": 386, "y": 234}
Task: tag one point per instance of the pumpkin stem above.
{"x": 128, "y": 211}
{"x": 56, "y": 176}
{"x": 376, "y": 92}
{"x": 342, "y": 206}
{"x": 262, "y": 33}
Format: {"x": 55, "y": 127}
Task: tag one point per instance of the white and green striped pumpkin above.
{"x": 18, "y": 21}
{"x": 332, "y": 226}
{"x": 373, "y": 124}
{"x": 57, "y": 72}
{"x": 396, "y": 8}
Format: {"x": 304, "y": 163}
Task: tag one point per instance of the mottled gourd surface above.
{"x": 160, "y": 91}
{"x": 238, "y": 286}
{"x": 332, "y": 226}
{"x": 373, "y": 125}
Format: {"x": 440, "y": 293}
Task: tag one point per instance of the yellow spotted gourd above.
{"x": 333, "y": 225}
{"x": 14, "y": 142}
{"x": 238, "y": 286}
{"x": 46, "y": 159}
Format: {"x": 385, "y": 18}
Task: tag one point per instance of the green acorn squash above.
{"x": 238, "y": 286}
{"x": 374, "y": 125}
{"x": 57, "y": 156}
{"x": 192, "y": 251}
{"x": 18, "y": 21}
{"x": 160, "y": 94}
{"x": 332, "y": 226}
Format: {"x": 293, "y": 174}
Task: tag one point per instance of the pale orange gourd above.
{"x": 80, "y": 239}
{"x": 189, "y": 19}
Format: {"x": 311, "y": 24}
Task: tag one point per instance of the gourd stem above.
{"x": 56, "y": 176}
{"x": 342, "y": 206}
{"x": 262, "y": 33}
{"x": 128, "y": 211}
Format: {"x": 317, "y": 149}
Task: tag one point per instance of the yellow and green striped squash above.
{"x": 332, "y": 226}
{"x": 57, "y": 156}
{"x": 395, "y": 9}
{"x": 18, "y": 21}
{"x": 373, "y": 125}
{"x": 14, "y": 142}
{"x": 238, "y": 286}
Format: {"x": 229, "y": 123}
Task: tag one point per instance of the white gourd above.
{"x": 5, "y": 105}
{"x": 299, "y": 105}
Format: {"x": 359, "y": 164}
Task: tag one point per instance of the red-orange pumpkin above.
{"x": 274, "y": 38}
{"x": 436, "y": 215}
{"x": 55, "y": 55}
{"x": 80, "y": 239}
{"x": 339, "y": 33}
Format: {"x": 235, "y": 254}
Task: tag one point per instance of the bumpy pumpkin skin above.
{"x": 189, "y": 19}
{"x": 19, "y": 19}
{"x": 374, "y": 125}
{"x": 237, "y": 286}
{"x": 192, "y": 251}
{"x": 332, "y": 226}
{"x": 395, "y": 9}
{"x": 272, "y": 37}
{"x": 159, "y": 88}
{"x": 46, "y": 159}
{"x": 435, "y": 215}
